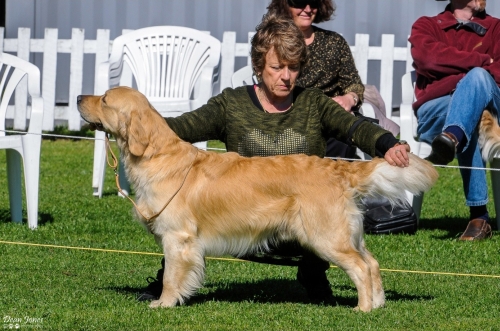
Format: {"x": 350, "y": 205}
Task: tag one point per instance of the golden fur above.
{"x": 482, "y": 5}
{"x": 489, "y": 136}
{"x": 231, "y": 204}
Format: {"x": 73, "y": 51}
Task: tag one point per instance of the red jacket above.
{"x": 443, "y": 54}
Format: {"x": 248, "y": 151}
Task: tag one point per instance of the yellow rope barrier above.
{"x": 233, "y": 259}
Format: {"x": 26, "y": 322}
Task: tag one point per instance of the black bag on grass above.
{"x": 382, "y": 218}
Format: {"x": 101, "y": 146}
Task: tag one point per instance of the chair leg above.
{"x": 416, "y": 203}
{"x": 99, "y": 163}
{"x": 31, "y": 165}
{"x": 495, "y": 184}
{"x": 14, "y": 185}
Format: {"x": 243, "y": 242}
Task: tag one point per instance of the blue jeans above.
{"x": 474, "y": 93}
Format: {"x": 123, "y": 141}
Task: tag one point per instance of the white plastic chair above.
{"x": 243, "y": 76}
{"x": 13, "y": 73}
{"x": 408, "y": 127}
{"x": 174, "y": 67}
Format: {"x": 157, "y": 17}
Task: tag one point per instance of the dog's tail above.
{"x": 489, "y": 136}
{"x": 392, "y": 182}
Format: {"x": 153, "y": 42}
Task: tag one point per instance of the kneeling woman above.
{"x": 275, "y": 117}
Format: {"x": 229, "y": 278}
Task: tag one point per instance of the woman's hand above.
{"x": 398, "y": 155}
{"x": 346, "y": 101}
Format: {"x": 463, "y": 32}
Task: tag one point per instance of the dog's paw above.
{"x": 163, "y": 303}
{"x": 378, "y": 304}
{"x": 364, "y": 309}
{"x": 378, "y": 300}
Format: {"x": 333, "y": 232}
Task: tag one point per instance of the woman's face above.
{"x": 279, "y": 78}
{"x": 303, "y": 17}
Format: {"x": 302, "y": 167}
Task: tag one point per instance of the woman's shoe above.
{"x": 444, "y": 148}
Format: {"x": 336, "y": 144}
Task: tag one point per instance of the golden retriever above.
{"x": 228, "y": 204}
{"x": 489, "y": 136}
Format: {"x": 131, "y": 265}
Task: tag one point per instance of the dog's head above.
{"x": 123, "y": 112}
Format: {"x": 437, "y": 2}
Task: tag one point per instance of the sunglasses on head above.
{"x": 304, "y": 3}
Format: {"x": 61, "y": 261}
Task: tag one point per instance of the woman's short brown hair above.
{"x": 284, "y": 36}
{"x": 326, "y": 9}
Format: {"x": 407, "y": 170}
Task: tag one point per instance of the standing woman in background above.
{"x": 331, "y": 66}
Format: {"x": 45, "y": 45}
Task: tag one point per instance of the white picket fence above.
{"x": 50, "y": 46}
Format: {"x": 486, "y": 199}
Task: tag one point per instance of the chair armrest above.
{"x": 108, "y": 75}
{"x": 408, "y": 120}
{"x": 36, "y": 119}
{"x": 204, "y": 87}
{"x": 406, "y": 125}
{"x": 36, "y": 116}
{"x": 367, "y": 110}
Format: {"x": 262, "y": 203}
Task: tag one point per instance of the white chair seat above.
{"x": 23, "y": 150}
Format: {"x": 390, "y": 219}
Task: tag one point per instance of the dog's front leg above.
{"x": 184, "y": 268}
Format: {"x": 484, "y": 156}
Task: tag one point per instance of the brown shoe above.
{"x": 477, "y": 229}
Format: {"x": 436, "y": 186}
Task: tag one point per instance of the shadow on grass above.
{"x": 264, "y": 291}
{"x": 43, "y": 218}
{"x": 454, "y": 227}
{"x": 275, "y": 291}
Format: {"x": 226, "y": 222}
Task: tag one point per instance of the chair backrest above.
{"x": 243, "y": 76}
{"x": 408, "y": 95}
{"x": 169, "y": 65}
{"x": 409, "y": 123}
{"x": 12, "y": 73}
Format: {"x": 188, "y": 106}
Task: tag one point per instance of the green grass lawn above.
{"x": 432, "y": 281}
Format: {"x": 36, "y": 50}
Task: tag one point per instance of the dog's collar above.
{"x": 114, "y": 166}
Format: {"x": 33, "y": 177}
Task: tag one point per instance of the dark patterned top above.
{"x": 236, "y": 118}
{"x": 331, "y": 66}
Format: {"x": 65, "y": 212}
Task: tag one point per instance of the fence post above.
{"x": 227, "y": 58}
{"x": 76, "y": 76}
{"x": 250, "y": 36}
{"x": 2, "y": 31}
{"x": 409, "y": 58}
{"x": 49, "y": 74}
{"x": 387, "y": 71}
{"x": 361, "y": 49}
{"x": 101, "y": 54}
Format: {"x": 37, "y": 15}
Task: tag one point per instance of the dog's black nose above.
{"x": 78, "y": 99}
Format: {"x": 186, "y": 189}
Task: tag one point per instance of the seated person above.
{"x": 331, "y": 66}
{"x": 457, "y": 60}
{"x": 275, "y": 117}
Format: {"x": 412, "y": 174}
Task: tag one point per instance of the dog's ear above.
{"x": 138, "y": 135}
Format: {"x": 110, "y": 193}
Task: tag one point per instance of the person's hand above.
{"x": 346, "y": 101}
{"x": 398, "y": 155}
{"x": 491, "y": 61}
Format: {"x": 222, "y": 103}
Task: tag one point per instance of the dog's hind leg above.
{"x": 358, "y": 270}
{"x": 377, "y": 288}
{"x": 343, "y": 246}
{"x": 184, "y": 268}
